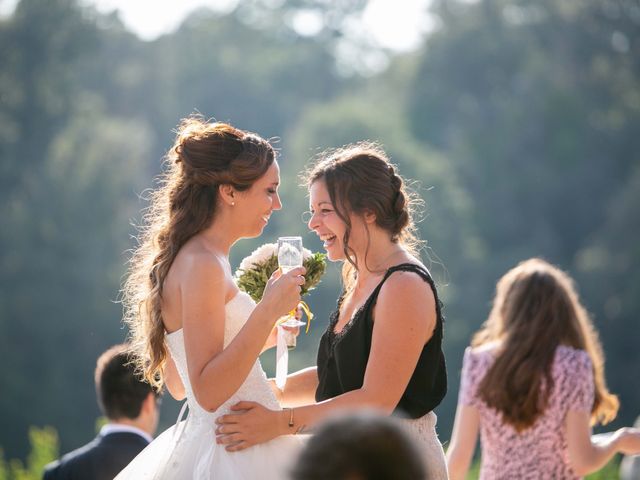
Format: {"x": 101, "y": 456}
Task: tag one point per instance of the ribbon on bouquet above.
{"x": 308, "y": 313}
{"x": 282, "y": 352}
{"x": 282, "y": 358}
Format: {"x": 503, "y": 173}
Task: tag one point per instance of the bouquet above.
{"x": 256, "y": 269}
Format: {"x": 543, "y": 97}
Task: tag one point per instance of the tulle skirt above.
{"x": 188, "y": 451}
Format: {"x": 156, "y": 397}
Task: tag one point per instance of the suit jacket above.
{"x": 101, "y": 459}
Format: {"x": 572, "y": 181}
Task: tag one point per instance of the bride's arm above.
{"x": 216, "y": 372}
{"x": 271, "y": 340}
{"x": 395, "y": 349}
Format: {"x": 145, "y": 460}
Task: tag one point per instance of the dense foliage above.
{"x": 518, "y": 118}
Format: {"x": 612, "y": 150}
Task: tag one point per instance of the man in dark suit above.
{"x": 131, "y": 407}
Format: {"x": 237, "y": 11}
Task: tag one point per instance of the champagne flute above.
{"x": 290, "y": 256}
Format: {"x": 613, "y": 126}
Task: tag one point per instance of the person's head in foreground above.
{"x": 360, "y": 446}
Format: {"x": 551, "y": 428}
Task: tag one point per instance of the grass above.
{"x": 609, "y": 472}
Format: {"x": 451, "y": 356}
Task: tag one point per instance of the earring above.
{"x": 233, "y": 204}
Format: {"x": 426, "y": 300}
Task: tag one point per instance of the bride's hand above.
{"x": 295, "y": 330}
{"x": 282, "y": 291}
{"x": 252, "y": 425}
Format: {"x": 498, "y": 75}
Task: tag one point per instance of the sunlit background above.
{"x": 518, "y": 120}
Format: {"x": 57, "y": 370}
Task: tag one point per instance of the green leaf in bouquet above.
{"x": 254, "y": 280}
{"x": 316, "y": 266}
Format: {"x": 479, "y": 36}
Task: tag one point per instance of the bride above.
{"x": 191, "y": 328}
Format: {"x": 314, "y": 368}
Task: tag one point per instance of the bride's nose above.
{"x": 277, "y": 203}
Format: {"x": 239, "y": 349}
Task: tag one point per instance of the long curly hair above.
{"x": 536, "y": 309}
{"x": 360, "y": 178}
{"x": 203, "y": 157}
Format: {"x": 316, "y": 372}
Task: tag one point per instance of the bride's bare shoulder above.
{"x": 194, "y": 252}
{"x": 196, "y": 263}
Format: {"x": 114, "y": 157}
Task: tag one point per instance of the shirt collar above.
{"x": 118, "y": 428}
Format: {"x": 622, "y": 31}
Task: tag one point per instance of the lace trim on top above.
{"x": 335, "y": 337}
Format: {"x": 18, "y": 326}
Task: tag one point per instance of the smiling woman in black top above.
{"x": 382, "y": 348}
{"x": 343, "y": 356}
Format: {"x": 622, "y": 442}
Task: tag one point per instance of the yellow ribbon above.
{"x": 307, "y": 311}
{"x": 305, "y": 308}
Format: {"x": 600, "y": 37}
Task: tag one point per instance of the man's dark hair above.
{"x": 363, "y": 446}
{"x": 119, "y": 388}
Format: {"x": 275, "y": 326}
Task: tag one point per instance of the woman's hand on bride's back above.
{"x": 282, "y": 292}
{"x": 248, "y": 424}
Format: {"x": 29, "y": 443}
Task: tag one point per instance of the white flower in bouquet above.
{"x": 263, "y": 253}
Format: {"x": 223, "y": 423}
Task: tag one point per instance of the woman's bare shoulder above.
{"x": 196, "y": 267}
{"x": 403, "y": 284}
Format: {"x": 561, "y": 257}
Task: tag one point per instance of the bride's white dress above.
{"x": 189, "y": 450}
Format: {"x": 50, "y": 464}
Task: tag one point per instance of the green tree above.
{"x": 543, "y": 93}
{"x": 535, "y": 104}
{"x": 68, "y": 233}
{"x": 44, "y": 449}
{"x": 609, "y": 270}
{"x": 518, "y": 119}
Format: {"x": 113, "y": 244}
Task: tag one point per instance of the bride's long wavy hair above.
{"x": 203, "y": 157}
{"x": 536, "y": 309}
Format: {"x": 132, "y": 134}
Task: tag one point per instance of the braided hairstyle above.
{"x": 360, "y": 179}
{"x": 203, "y": 157}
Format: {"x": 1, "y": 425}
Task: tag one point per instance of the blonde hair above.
{"x": 536, "y": 308}
{"x": 203, "y": 157}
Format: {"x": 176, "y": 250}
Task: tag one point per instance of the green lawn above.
{"x": 609, "y": 472}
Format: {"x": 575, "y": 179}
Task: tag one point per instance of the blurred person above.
{"x": 360, "y": 446}
{"x": 131, "y": 408}
{"x": 190, "y": 324}
{"x": 533, "y": 383}
{"x": 630, "y": 465}
{"x": 383, "y": 345}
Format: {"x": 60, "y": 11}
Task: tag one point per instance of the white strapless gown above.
{"x": 189, "y": 450}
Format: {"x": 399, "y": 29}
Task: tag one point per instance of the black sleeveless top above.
{"x": 342, "y": 357}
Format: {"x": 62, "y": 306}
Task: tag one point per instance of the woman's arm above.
{"x": 463, "y": 441}
{"x": 216, "y": 372}
{"x": 405, "y": 318}
{"x": 587, "y": 457}
{"x": 172, "y": 379}
{"x": 300, "y": 388}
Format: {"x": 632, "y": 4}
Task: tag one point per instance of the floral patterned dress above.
{"x": 539, "y": 452}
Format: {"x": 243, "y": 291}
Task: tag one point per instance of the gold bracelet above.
{"x": 291, "y": 418}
